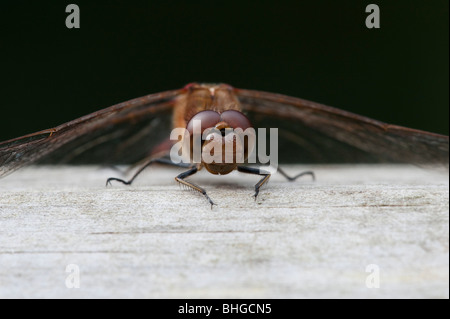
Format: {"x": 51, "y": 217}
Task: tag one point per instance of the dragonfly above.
{"x": 138, "y": 131}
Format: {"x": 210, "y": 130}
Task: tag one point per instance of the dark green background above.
{"x": 317, "y": 50}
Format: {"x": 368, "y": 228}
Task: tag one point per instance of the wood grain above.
{"x": 153, "y": 239}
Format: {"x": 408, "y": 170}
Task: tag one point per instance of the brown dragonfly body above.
{"x": 202, "y": 97}
{"x": 215, "y": 106}
{"x": 139, "y": 129}
{"x": 215, "y": 99}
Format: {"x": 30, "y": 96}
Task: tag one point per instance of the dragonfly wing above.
{"x": 310, "y": 132}
{"x": 122, "y": 133}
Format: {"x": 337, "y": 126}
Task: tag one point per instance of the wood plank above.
{"x": 154, "y": 239}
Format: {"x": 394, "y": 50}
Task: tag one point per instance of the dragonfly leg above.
{"x": 256, "y": 171}
{"x": 180, "y": 179}
{"x": 157, "y": 160}
{"x": 291, "y": 179}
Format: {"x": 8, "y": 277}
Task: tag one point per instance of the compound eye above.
{"x": 207, "y": 119}
{"x": 235, "y": 119}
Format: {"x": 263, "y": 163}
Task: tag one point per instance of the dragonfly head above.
{"x": 225, "y": 139}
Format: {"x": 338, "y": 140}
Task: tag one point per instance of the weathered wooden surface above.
{"x": 153, "y": 239}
